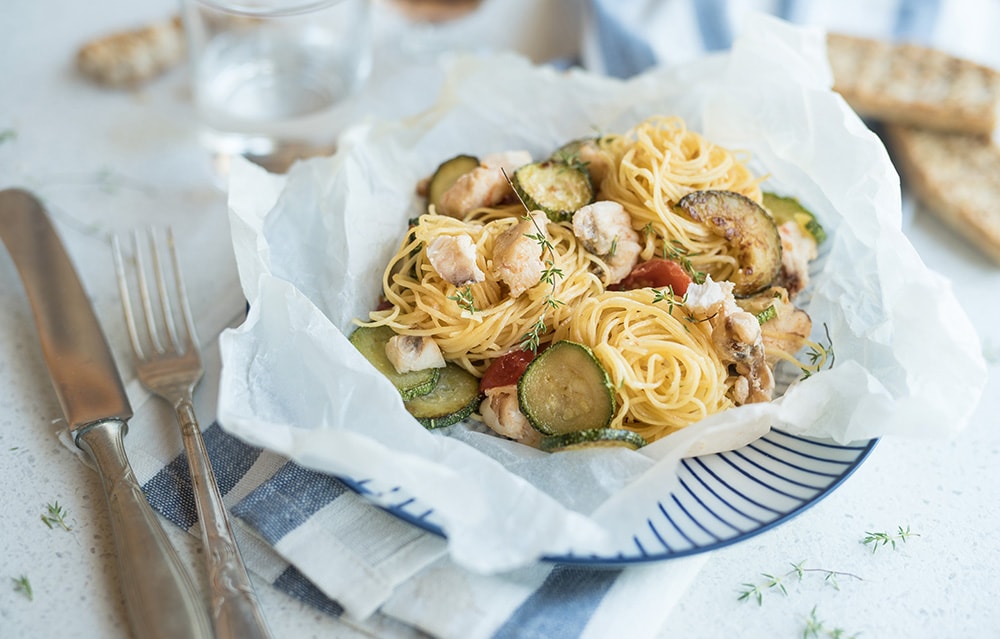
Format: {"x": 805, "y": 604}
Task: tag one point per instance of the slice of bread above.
{"x": 957, "y": 176}
{"x": 910, "y": 84}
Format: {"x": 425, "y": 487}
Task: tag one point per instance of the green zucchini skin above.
{"x": 748, "y": 230}
{"x": 446, "y": 175}
{"x": 566, "y": 389}
{"x": 555, "y": 187}
{"x": 371, "y": 341}
{"x": 785, "y": 208}
{"x": 593, "y": 438}
{"x": 454, "y": 398}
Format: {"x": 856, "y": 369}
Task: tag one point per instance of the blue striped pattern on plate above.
{"x": 721, "y": 499}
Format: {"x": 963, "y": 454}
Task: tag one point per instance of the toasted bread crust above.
{"x": 957, "y": 176}
{"x": 910, "y": 84}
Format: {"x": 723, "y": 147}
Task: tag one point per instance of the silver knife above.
{"x": 160, "y": 597}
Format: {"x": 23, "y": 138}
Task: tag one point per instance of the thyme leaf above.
{"x": 23, "y": 586}
{"x": 777, "y": 582}
{"x": 676, "y": 252}
{"x": 818, "y": 355}
{"x": 55, "y": 515}
{"x": 816, "y": 629}
{"x": 464, "y": 299}
{"x": 879, "y": 539}
{"x": 550, "y": 274}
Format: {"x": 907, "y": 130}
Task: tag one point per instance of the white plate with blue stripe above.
{"x": 719, "y": 499}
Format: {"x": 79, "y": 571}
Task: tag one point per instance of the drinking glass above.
{"x": 270, "y": 77}
{"x": 432, "y": 25}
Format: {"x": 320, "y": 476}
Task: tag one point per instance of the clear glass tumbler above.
{"x": 269, "y": 77}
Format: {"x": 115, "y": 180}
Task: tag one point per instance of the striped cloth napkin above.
{"x": 624, "y": 37}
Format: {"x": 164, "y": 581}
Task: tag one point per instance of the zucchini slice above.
{"x": 570, "y": 152}
{"x": 747, "y": 228}
{"x": 454, "y": 398}
{"x": 555, "y": 187}
{"x": 788, "y": 208}
{"x": 585, "y": 154}
{"x": 566, "y": 389}
{"x": 371, "y": 341}
{"x": 446, "y": 175}
{"x": 593, "y": 438}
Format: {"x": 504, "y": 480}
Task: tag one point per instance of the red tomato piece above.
{"x": 506, "y": 369}
{"x": 657, "y": 273}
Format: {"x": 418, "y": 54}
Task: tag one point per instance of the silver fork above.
{"x": 169, "y": 365}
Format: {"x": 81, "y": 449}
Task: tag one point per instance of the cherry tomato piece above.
{"x": 657, "y": 273}
{"x": 506, "y": 369}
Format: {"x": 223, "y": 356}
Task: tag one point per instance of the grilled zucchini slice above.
{"x": 454, "y": 398}
{"x": 371, "y": 341}
{"x": 553, "y": 186}
{"x": 566, "y": 389}
{"x": 593, "y": 438}
{"x": 747, "y": 228}
{"x": 446, "y": 175}
{"x": 785, "y": 208}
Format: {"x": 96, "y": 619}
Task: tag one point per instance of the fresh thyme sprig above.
{"x": 816, "y": 629}
{"x": 550, "y": 274}
{"x": 464, "y": 299}
{"x": 23, "y": 586}
{"x": 818, "y": 355}
{"x": 55, "y": 515}
{"x": 532, "y": 339}
{"x": 667, "y": 295}
{"x": 676, "y": 252}
{"x": 776, "y": 583}
{"x": 879, "y": 539}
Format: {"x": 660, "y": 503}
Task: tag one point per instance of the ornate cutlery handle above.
{"x": 234, "y": 608}
{"x": 160, "y": 598}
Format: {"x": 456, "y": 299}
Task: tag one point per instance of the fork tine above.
{"x": 144, "y": 296}
{"x": 191, "y": 335}
{"x": 123, "y": 293}
{"x": 166, "y": 310}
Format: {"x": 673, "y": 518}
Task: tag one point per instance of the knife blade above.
{"x": 160, "y": 597}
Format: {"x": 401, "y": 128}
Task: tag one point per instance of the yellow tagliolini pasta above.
{"x": 662, "y": 363}
{"x": 660, "y": 360}
{"x": 656, "y": 164}
{"x": 423, "y": 303}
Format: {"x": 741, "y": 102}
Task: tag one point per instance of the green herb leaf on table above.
{"x": 23, "y": 586}
{"x": 879, "y": 539}
{"x": 55, "y": 515}
{"x": 816, "y": 629}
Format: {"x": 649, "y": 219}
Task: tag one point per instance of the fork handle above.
{"x": 234, "y": 608}
{"x": 160, "y": 597}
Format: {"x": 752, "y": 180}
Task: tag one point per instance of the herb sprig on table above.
{"x": 815, "y": 628}
{"x": 55, "y": 515}
{"x": 879, "y": 539}
{"x": 776, "y": 582}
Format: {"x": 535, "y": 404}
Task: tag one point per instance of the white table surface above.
{"x": 105, "y": 160}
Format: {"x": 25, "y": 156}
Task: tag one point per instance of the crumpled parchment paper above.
{"x": 311, "y": 248}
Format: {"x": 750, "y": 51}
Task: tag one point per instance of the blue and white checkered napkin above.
{"x": 315, "y": 539}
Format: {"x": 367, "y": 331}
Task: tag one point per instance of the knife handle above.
{"x": 160, "y": 597}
